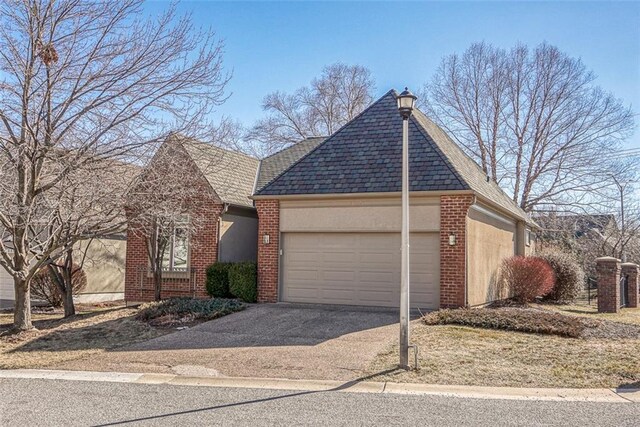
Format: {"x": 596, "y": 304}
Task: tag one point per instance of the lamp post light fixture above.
{"x": 406, "y": 102}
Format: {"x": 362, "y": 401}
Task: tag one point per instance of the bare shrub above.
{"x": 569, "y": 275}
{"x": 44, "y": 287}
{"x": 527, "y": 277}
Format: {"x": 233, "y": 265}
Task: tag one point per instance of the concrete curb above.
{"x": 472, "y": 392}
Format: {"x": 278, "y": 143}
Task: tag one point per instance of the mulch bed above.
{"x": 533, "y": 320}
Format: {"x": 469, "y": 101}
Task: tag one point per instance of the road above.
{"x": 31, "y": 402}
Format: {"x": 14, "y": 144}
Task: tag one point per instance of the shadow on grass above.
{"x": 628, "y": 387}
{"x": 54, "y": 322}
{"x": 342, "y": 387}
{"x": 107, "y": 334}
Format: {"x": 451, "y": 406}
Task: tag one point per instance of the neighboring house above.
{"x": 7, "y": 295}
{"x": 328, "y": 219}
{"x": 104, "y": 265}
{"x": 576, "y": 226}
{"x": 329, "y": 225}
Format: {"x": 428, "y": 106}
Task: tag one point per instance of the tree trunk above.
{"x": 67, "y": 302}
{"x": 157, "y": 282}
{"x": 22, "y": 311}
{"x": 67, "y": 275}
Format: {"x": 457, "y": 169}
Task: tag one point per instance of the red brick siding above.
{"x": 268, "y": 254}
{"x": 453, "y": 263}
{"x": 608, "y": 270}
{"x": 204, "y": 252}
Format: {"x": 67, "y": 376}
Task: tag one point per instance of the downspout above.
{"x": 225, "y": 208}
{"x": 466, "y": 254}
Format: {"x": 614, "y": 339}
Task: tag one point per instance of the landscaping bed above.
{"x": 186, "y": 311}
{"x": 473, "y": 349}
{"x": 535, "y": 320}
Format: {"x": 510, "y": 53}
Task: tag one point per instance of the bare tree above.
{"x": 331, "y": 100}
{"x": 533, "y": 118}
{"x": 85, "y": 84}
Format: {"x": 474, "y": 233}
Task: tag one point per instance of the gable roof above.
{"x": 272, "y": 166}
{"x": 365, "y": 156}
{"x": 231, "y": 174}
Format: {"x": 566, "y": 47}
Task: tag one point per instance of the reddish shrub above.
{"x": 527, "y": 277}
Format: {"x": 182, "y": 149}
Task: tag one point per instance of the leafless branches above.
{"x": 533, "y": 118}
{"x": 87, "y": 87}
{"x": 337, "y": 96}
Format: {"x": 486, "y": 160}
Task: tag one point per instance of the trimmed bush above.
{"x": 569, "y": 275}
{"x": 527, "y": 277}
{"x": 243, "y": 281}
{"x": 218, "y": 280}
{"x": 185, "y": 310}
{"x": 512, "y": 319}
{"x": 43, "y": 287}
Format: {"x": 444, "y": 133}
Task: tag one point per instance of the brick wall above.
{"x": 453, "y": 263}
{"x": 268, "y": 254}
{"x": 630, "y": 270}
{"x": 204, "y": 252}
{"x": 608, "y": 271}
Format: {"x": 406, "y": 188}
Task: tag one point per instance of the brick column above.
{"x": 268, "y": 253}
{"x": 608, "y": 270}
{"x": 630, "y": 270}
{"x": 204, "y": 250}
{"x": 453, "y": 258}
{"x": 136, "y": 259}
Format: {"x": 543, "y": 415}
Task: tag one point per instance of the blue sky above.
{"x": 283, "y": 45}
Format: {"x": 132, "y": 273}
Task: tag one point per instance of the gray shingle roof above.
{"x": 365, "y": 156}
{"x": 272, "y": 166}
{"x": 231, "y": 174}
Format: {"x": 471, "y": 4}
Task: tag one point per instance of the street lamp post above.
{"x": 406, "y": 101}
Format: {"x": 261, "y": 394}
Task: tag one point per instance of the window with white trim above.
{"x": 176, "y": 256}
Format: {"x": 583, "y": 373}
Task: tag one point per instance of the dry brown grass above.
{"x": 626, "y": 315}
{"x": 469, "y": 356}
{"x": 94, "y": 329}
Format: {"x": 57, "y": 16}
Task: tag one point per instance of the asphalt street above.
{"x": 31, "y": 402}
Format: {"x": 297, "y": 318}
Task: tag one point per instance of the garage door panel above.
{"x": 358, "y": 268}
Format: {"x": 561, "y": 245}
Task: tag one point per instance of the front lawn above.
{"x": 466, "y": 355}
{"x": 97, "y": 329}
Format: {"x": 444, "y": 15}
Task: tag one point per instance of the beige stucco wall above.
{"x": 489, "y": 242}
{"x": 104, "y": 266}
{"x": 358, "y": 215}
{"x": 6, "y": 289}
{"x": 238, "y": 236}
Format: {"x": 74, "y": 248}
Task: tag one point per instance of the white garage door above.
{"x": 358, "y": 269}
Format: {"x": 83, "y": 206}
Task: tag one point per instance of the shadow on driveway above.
{"x": 273, "y": 325}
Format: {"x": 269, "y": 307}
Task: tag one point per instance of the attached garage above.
{"x": 329, "y": 225}
{"x": 358, "y": 269}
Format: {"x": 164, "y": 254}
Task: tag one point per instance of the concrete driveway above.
{"x": 267, "y": 341}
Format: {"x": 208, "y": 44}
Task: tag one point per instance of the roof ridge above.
{"x": 292, "y": 145}
{"x": 472, "y": 161}
{"x": 444, "y": 157}
{"x": 330, "y": 137}
{"x": 218, "y": 147}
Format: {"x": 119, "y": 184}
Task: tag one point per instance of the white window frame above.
{"x": 171, "y": 250}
